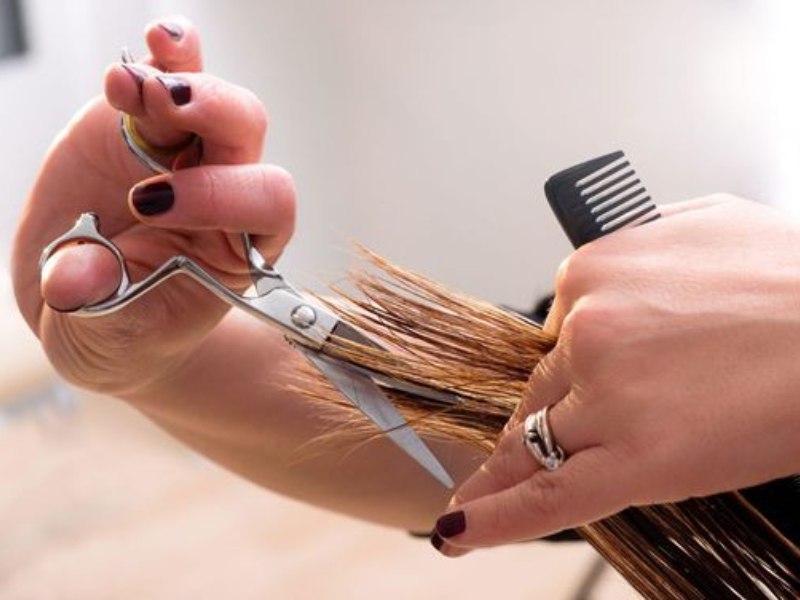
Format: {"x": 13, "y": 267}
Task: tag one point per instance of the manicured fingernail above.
{"x": 126, "y": 56}
{"x": 447, "y": 549}
{"x": 137, "y": 74}
{"x": 174, "y": 30}
{"x": 178, "y": 88}
{"x": 451, "y": 524}
{"x": 437, "y": 541}
{"x": 153, "y": 198}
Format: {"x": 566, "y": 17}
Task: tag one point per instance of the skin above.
{"x": 675, "y": 375}
{"x": 677, "y": 348}
{"x": 214, "y": 378}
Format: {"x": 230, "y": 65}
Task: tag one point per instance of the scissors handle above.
{"x": 300, "y": 319}
{"x": 303, "y": 321}
{"x": 86, "y": 229}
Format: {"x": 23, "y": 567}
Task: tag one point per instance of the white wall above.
{"x": 461, "y": 109}
{"x": 425, "y": 129}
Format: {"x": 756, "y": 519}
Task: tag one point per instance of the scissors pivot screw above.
{"x": 304, "y": 316}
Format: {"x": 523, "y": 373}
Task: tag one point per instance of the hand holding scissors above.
{"x": 311, "y": 327}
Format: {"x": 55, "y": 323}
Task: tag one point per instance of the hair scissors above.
{"x": 308, "y": 325}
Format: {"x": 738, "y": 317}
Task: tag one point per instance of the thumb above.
{"x": 78, "y": 275}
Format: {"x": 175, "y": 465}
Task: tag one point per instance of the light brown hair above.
{"x": 716, "y": 547}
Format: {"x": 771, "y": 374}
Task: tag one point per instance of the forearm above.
{"x": 229, "y": 399}
{"x": 232, "y": 401}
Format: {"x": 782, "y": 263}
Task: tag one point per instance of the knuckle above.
{"x": 590, "y": 327}
{"x": 575, "y": 273}
{"x": 563, "y": 277}
{"x": 214, "y": 100}
{"x": 223, "y": 97}
{"x": 241, "y": 118}
{"x": 207, "y": 213}
{"x": 258, "y": 115}
{"x": 279, "y": 187}
{"x": 543, "y": 495}
{"x": 499, "y": 516}
{"x": 505, "y": 464}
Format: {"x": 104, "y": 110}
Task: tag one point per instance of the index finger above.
{"x": 545, "y": 503}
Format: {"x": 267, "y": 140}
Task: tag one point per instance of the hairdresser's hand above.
{"x": 675, "y": 375}
{"x": 197, "y": 211}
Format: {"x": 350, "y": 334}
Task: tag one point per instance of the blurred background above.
{"x": 422, "y": 129}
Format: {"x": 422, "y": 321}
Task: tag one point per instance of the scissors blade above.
{"x": 365, "y": 394}
{"x": 348, "y": 332}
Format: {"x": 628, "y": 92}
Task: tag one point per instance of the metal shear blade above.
{"x": 365, "y": 394}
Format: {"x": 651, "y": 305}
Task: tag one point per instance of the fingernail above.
{"x": 174, "y": 30}
{"x": 437, "y": 541}
{"x": 451, "y": 524}
{"x": 137, "y": 74}
{"x": 153, "y": 198}
{"x": 126, "y": 56}
{"x": 178, "y": 88}
{"x": 447, "y": 549}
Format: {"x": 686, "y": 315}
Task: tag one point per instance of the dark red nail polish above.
{"x": 153, "y": 198}
{"x": 437, "y": 541}
{"x": 137, "y": 74}
{"x": 178, "y": 88}
{"x": 174, "y": 30}
{"x": 451, "y": 524}
{"x": 126, "y": 56}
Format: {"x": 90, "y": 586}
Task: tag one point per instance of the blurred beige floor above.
{"x": 97, "y": 503}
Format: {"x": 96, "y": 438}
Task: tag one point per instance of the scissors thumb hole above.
{"x": 79, "y": 274}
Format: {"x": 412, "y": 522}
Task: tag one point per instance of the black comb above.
{"x": 599, "y": 196}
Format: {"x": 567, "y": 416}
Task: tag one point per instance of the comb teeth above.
{"x": 599, "y": 196}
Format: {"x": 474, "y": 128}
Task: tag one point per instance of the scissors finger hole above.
{"x": 78, "y": 276}
{"x": 86, "y": 231}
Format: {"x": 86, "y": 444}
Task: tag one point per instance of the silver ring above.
{"x": 538, "y": 439}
